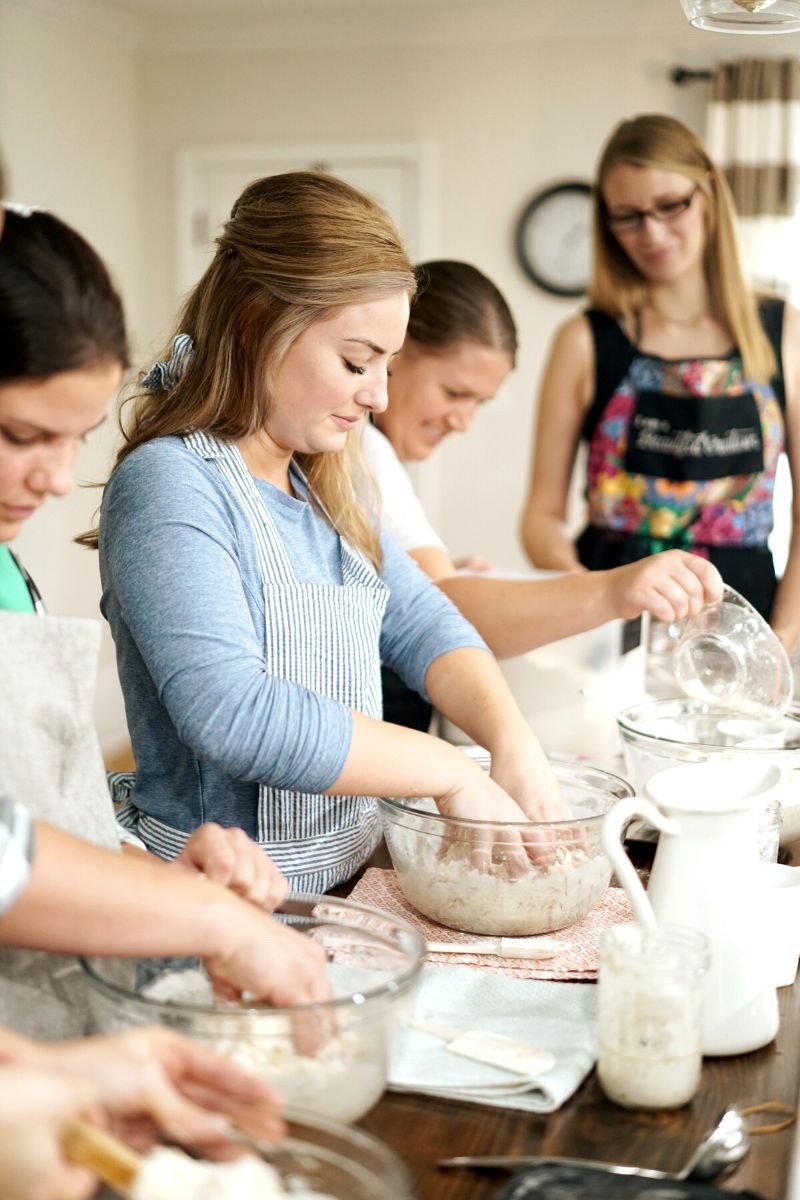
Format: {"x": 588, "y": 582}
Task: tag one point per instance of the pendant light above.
{"x": 744, "y": 16}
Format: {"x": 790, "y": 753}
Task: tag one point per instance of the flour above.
{"x": 451, "y": 891}
{"x": 342, "y": 1079}
{"x": 167, "y": 1174}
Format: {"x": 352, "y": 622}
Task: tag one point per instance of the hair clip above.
{"x": 21, "y": 210}
{"x": 166, "y": 373}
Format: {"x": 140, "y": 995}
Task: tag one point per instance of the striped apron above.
{"x": 323, "y": 637}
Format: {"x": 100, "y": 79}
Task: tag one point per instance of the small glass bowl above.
{"x": 328, "y": 1058}
{"x": 728, "y": 656}
{"x": 432, "y": 858}
{"x": 321, "y": 1158}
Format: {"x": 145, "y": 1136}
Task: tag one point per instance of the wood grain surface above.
{"x": 422, "y": 1130}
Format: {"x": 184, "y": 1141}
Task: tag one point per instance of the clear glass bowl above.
{"x": 662, "y": 733}
{"x": 331, "y": 1160}
{"x": 326, "y": 1058}
{"x": 744, "y": 16}
{"x": 728, "y": 656}
{"x": 431, "y": 855}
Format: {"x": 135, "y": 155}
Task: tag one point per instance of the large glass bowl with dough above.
{"x": 444, "y": 877}
{"x": 317, "y": 1160}
{"x": 328, "y": 1058}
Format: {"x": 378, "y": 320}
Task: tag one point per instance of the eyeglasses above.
{"x": 635, "y": 219}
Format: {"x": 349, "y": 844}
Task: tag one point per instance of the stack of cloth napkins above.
{"x": 538, "y": 1038}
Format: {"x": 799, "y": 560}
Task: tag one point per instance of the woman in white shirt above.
{"x": 460, "y": 346}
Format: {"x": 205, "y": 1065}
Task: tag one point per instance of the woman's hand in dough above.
{"x": 521, "y": 768}
{"x": 480, "y": 797}
{"x": 257, "y": 954}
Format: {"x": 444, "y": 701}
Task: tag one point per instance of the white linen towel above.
{"x": 559, "y": 1017}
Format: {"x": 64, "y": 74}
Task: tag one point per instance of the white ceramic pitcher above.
{"x": 705, "y": 876}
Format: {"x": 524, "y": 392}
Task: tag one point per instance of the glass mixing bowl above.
{"x": 328, "y": 1058}
{"x": 321, "y": 1158}
{"x": 728, "y": 656}
{"x": 432, "y": 857}
{"x": 662, "y": 733}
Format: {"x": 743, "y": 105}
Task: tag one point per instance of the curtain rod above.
{"x": 681, "y": 75}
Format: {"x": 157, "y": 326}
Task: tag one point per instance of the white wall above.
{"x": 69, "y": 133}
{"x": 512, "y": 94}
{"x": 504, "y": 118}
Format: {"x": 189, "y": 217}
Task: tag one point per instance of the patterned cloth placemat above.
{"x": 581, "y": 941}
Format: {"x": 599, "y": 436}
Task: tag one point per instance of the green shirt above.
{"x": 14, "y": 594}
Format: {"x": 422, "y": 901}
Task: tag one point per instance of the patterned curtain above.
{"x": 754, "y": 133}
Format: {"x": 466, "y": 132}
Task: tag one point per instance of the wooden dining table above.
{"x": 423, "y": 1130}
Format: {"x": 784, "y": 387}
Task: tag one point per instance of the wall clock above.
{"x": 553, "y": 238}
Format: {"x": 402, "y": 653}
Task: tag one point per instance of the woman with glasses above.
{"x": 680, "y": 379}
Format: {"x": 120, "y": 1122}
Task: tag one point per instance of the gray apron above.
{"x": 326, "y": 638}
{"x": 50, "y": 759}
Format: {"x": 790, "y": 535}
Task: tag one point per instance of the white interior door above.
{"x": 210, "y": 179}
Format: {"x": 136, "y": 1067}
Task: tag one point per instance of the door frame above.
{"x": 419, "y": 156}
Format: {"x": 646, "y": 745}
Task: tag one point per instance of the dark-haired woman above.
{"x": 62, "y": 353}
{"x": 460, "y": 346}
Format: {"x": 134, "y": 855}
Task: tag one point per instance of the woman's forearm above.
{"x": 390, "y": 760}
{"x": 468, "y": 687}
{"x": 546, "y": 544}
{"x": 785, "y": 619}
{"x": 564, "y": 398}
{"x": 517, "y": 615}
{"x": 82, "y": 899}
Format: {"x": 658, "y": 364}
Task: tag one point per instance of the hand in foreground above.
{"x": 231, "y": 858}
{"x": 35, "y": 1109}
{"x": 672, "y": 586}
{"x": 153, "y": 1080}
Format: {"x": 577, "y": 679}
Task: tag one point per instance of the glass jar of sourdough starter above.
{"x": 649, "y": 1028}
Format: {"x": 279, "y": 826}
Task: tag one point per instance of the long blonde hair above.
{"x": 297, "y": 247}
{"x": 618, "y": 287}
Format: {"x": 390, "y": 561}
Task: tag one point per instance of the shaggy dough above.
{"x": 167, "y": 1174}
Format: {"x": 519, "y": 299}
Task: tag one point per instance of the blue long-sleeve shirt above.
{"x": 183, "y": 594}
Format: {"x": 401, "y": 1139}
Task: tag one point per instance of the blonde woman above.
{"x": 249, "y": 592}
{"x": 684, "y": 384}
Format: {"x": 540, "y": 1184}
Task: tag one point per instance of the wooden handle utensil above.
{"x": 110, "y": 1159}
{"x": 501, "y": 947}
